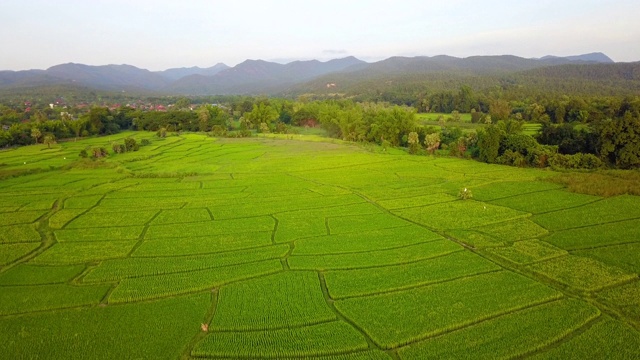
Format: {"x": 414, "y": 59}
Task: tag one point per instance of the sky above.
{"x": 158, "y": 34}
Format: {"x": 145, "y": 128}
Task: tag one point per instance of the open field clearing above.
{"x": 273, "y": 248}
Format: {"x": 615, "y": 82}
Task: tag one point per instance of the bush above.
{"x": 84, "y": 154}
{"x": 576, "y": 161}
{"x": 145, "y": 142}
{"x": 519, "y": 143}
{"x": 99, "y": 152}
{"x": 130, "y": 144}
{"x": 512, "y": 158}
{"x": 118, "y": 148}
{"x": 465, "y": 194}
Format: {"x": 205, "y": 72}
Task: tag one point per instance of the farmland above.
{"x": 298, "y": 246}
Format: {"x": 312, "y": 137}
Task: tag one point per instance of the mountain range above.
{"x": 263, "y": 77}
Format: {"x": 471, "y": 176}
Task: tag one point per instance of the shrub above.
{"x": 118, "y": 148}
{"x": 145, "y": 142}
{"x": 84, "y": 154}
{"x": 465, "y": 194}
{"x": 576, "y": 161}
{"x": 130, "y": 144}
{"x": 98, "y": 152}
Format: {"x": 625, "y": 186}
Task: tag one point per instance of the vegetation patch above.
{"x": 11, "y": 252}
{"x": 216, "y": 227}
{"x": 551, "y": 200}
{"x": 597, "y": 236}
{"x": 118, "y": 269}
{"x": 112, "y": 219}
{"x": 432, "y": 310}
{"x": 602, "y": 183}
{"x": 582, "y": 273}
{"x": 623, "y": 256}
{"x": 21, "y": 217}
{"x": 334, "y": 337}
{"x": 99, "y": 234}
{"x": 68, "y": 253}
{"x": 513, "y": 230}
{"x": 526, "y": 252}
{"x": 360, "y": 223}
{"x": 607, "y": 339}
{"x": 295, "y": 299}
{"x": 18, "y": 234}
{"x": 374, "y": 258}
{"x": 190, "y": 245}
{"x": 25, "y": 274}
{"x": 508, "y": 336}
{"x": 23, "y": 299}
{"x": 348, "y": 283}
{"x": 365, "y": 241}
{"x": 74, "y": 333}
{"x": 61, "y": 217}
{"x": 506, "y": 189}
{"x": 608, "y": 210}
{"x": 447, "y": 216}
{"x": 152, "y": 287}
{"x": 474, "y": 239}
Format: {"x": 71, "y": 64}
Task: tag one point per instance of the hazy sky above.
{"x": 159, "y": 34}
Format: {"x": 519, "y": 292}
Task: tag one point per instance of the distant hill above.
{"x": 596, "y": 57}
{"x": 179, "y": 73}
{"x": 347, "y": 75}
{"x": 259, "y": 76}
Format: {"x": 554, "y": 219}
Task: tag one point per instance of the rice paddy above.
{"x": 267, "y": 247}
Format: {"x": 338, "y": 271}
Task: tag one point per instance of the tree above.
{"x": 182, "y": 103}
{"x": 489, "y": 140}
{"x": 261, "y": 113}
{"x": 499, "y": 109}
{"x": 203, "y": 118}
{"x": 48, "y": 140}
{"x": 414, "y": 142}
{"x": 76, "y": 126}
{"x": 432, "y": 142}
{"x": 36, "y": 133}
{"x": 620, "y": 141}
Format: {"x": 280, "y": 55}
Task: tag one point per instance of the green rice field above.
{"x": 281, "y": 247}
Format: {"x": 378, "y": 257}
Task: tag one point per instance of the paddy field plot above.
{"x": 273, "y": 248}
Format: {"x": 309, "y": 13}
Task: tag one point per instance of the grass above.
{"x": 155, "y": 330}
{"x": 602, "y": 183}
{"x": 526, "y": 252}
{"x": 582, "y": 273}
{"x": 24, "y": 299}
{"x": 624, "y": 256}
{"x": 597, "y": 235}
{"x": 18, "y": 233}
{"x": 433, "y": 310}
{"x": 324, "y": 339}
{"x": 152, "y": 287}
{"x": 374, "y": 258}
{"x": 360, "y": 282}
{"x": 365, "y": 240}
{"x": 607, "y": 339}
{"x": 271, "y": 247}
{"x": 295, "y": 300}
{"x": 118, "y": 269}
{"x": 99, "y": 234}
{"x": 448, "y": 215}
{"x": 24, "y": 274}
{"x": 507, "y": 336}
{"x": 600, "y": 212}
{"x": 11, "y": 252}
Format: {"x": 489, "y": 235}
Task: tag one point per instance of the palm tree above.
{"x": 48, "y": 140}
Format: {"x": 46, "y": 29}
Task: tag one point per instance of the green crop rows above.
{"x": 275, "y": 248}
